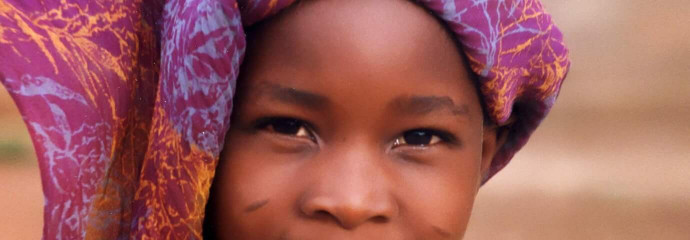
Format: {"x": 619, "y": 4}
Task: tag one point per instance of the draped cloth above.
{"x": 128, "y": 102}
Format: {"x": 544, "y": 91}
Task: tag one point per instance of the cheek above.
{"x": 259, "y": 187}
{"x": 442, "y": 196}
{"x": 254, "y": 189}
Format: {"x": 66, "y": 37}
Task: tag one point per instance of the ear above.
{"x": 493, "y": 139}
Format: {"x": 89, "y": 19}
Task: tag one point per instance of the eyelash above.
{"x": 434, "y": 137}
{"x": 301, "y": 129}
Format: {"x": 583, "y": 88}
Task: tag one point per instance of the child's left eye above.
{"x": 419, "y": 137}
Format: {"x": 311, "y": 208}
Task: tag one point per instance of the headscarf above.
{"x": 128, "y": 102}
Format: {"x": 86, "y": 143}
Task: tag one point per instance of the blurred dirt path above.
{"x": 21, "y": 203}
{"x": 21, "y": 199}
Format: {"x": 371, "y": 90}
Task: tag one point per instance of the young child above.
{"x": 355, "y": 119}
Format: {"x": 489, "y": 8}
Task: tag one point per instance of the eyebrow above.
{"x": 422, "y": 105}
{"x": 294, "y": 96}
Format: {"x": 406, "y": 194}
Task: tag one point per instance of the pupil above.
{"x": 417, "y": 137}
{"x": 287, "y": 126}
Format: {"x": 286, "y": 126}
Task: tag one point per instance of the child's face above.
{"x": 354, "y": 120}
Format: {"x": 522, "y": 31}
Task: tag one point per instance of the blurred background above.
{"x": 611, "y": 161}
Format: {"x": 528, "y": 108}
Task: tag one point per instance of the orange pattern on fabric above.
{"x": 110, "y": 52}
{"x": 181, "y": 170}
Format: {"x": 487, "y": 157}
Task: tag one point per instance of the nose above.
{"x": 350, "y": 192}
{"x": 349, "y": 213}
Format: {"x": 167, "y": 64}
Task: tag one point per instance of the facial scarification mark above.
{"x": 256, "y": 205}
{"x": 441, "y": 232}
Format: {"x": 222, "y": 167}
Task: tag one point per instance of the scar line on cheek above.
{"x": 441, "y": 232}
{"x": 256, "y": 205}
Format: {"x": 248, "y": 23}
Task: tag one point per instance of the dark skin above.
{"x": 353, "y": 120}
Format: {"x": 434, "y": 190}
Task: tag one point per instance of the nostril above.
{"x": 380, "y": 219}
{"x": 322, "y": 213}
{"x": 348, "y": 213}
{"x": 347, "y": 219}
{"x": 325, "y": 215}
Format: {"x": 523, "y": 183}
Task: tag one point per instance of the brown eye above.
{"x": 419, "y": 137}
{"x": 287, "y": 126}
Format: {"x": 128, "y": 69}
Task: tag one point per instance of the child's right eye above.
{"x": 286, "y": 126}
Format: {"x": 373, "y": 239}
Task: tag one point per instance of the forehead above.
{"x": 372, "y": 33}
{"x": 329, "y": 46}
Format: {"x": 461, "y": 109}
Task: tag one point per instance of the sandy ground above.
{"x": 612, "y": 160}
{"x": 21, "y": 203}
{"x": 21, "y": 199}
{"x": 593, "y": 176}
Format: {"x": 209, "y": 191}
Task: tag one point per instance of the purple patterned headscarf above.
{"x": 128, "y": 102}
